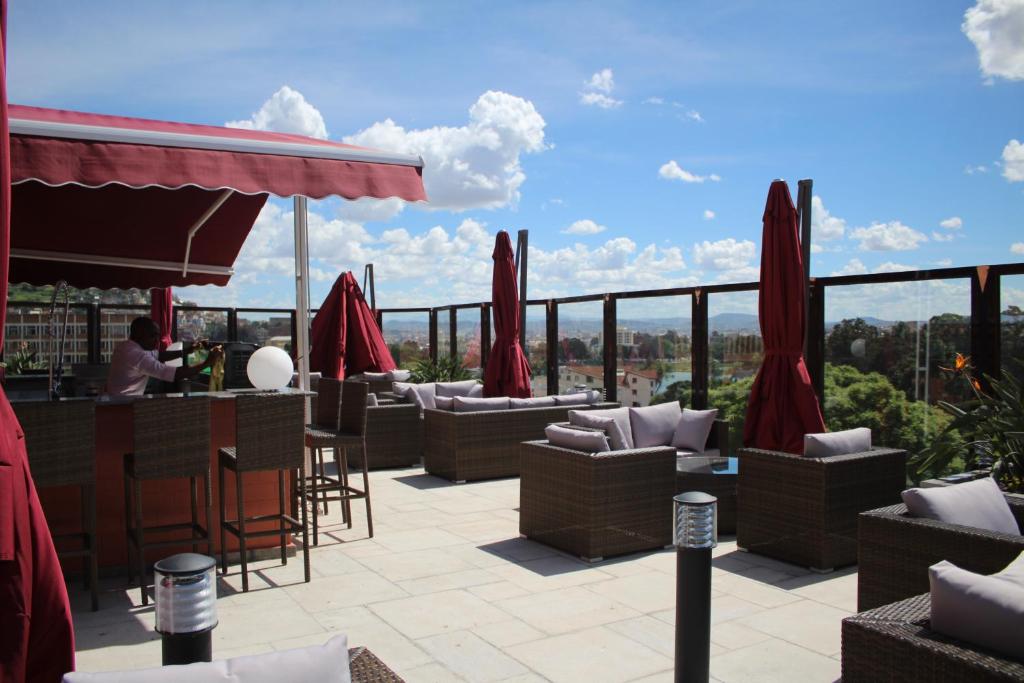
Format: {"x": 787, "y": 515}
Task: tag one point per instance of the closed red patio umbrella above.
{"x": 161, "y": 310}
{"x": 782, "y": 406}
{"x": 508, "y": 371}
{"x": 345, "y": 337}
{"x": 37, "y": 641}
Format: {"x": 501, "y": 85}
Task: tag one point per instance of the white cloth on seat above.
{"x": 327, "y": 663}
{"x": 979, "y": 504}
{"x": 983, "y": 610}
{"x": 837, "y": 443}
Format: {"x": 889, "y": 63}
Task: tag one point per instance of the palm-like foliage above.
{"x": 444, "y": 370}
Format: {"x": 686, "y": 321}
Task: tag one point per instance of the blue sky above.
{"x": 635, "y": 141}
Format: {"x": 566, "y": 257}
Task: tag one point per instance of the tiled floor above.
{"x": 448, "y": 591}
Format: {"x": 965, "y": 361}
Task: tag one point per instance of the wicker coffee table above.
{"x": 716, "y": 476}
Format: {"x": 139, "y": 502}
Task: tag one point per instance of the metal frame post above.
{"x": 552, "y": 346}
{"x": 986, "y": 346}
{"x": 432, "y": 334}
{"x": 608, "y": 352}
{"x": 485, "y": 334}
{"x": 453, "y": 331}
{"x": 302, "y": 294}
{"x": 522, "y": 247}
{"x": 699, "y": 370}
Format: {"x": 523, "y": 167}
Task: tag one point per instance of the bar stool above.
{"x": 351, "y": 433}
{"x": 268, "y": 436}
{"x": 60, "y": 438}
{"x": 171, "y": 440}
{"x": 322, "y": 434}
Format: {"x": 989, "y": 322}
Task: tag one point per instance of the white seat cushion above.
{"x": 444, "y": 402}
{"x": 693, "y": 428}
{"x": 466, "y": 404}
{"x": 837, "y": 443}
{"x": 979, "y": 504}
{"x": 983, "y": 610}
{"x": 654, "y": 425}
{"x": 398, "y": 375}
{"x": 585, "y": 418}
{"x": 327, "y": 663}
{"x": 576, "y": 439}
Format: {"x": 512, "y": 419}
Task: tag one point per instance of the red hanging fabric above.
{"x": 161, "y": 310}
{"x": 345, "y": 338}
{"x": 37, "y": 641}
{"x": 508, "y": 371}
{"x": 782, "y": 406}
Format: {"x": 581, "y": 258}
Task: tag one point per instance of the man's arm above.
{"x": 190, "y": 371}
{"x": 186, "y": 348}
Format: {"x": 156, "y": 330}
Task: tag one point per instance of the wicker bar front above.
{"x": 366, "y": 668}
{"x": 894, "y": 643}
{"x": 394, "y": 437}
{"x": 804, "y": 510}
{"x": 895, "y": 551}
{"x": 596, "y": 505}
{"x": 485, "y": 444}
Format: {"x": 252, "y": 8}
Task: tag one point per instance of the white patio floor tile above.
{"x": 595, "y": 654}
{"x": 566, "y": 609}
{"x": 471, "y": 657}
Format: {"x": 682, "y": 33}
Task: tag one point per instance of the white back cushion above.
{"x": 837, "y": 443}
{"x": 420, "y": 394}
{"x": 621, "y": 415}
{"x": 477, "y": 391}
{"x": 984, "y": 610}
{"x": 654, "y": 425}
{"x": 327, "y": 663}
{"x": 467, "y": 404}
{"x": 979, "y": 504}
{"x": 693, "y": 428}
{"x": 399, "y": 375}
{"x": 578, "y": 399}
{"x": 456, "y": 388}
{"x": 444, "y": 402}
{"x": 535, "y": 402}
{"x": 576, "y": 439}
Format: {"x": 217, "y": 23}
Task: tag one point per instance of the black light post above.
{"x": 696, "y": 533}
{"x": 186, "y": 607}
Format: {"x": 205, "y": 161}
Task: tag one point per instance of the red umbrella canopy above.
{"x": 345, "y": 337}
{"x": 161, "y": 310}
{"x": 782, "y": 405}
{"x": 38, "y": 641}
{"x": 508, "y": 371}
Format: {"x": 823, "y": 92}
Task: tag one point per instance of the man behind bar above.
{"x": 136, "y": 359}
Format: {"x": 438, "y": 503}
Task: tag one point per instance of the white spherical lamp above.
{"x": 269, "y": 368}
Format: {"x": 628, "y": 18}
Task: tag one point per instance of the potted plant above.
{"x": 987, "y": 431}
{"x": 444, "y": 370}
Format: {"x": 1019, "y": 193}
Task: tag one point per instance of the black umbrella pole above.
{"x": 693, "y": 615}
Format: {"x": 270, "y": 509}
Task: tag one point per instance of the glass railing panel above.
{"x": 26, "y": 338}
{"x": 735, "y": 350}
{"x": 467, "y": 341}
{"x": 652, "y": 343}
{"x": 408, "y": 337}
{"x": 265, "y": 328}
{"x": 115, "y": 324}
{"x": 580, "y": 344}
{"x": 1011, "y": 306}
{"x": 201, "y": 323}
{"x": 536, "y": 347}
{"x": 886, "y": 347}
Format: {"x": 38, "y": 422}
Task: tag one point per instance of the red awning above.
{"x": 109, "y": 201}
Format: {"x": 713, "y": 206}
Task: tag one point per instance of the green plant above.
{"x": 24, "y": 359}
{"x": 444, "y": 370}
{"x": 986, "y": 431}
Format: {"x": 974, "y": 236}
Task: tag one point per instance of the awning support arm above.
{"x": 219, "y": 202}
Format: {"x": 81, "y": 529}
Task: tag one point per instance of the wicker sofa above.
{"x": 895, "y": 551}
{"x": 394, "y": 437}
{"x": 804, "y": 509}
{"x": 471, "y": 446}
{"x": 894, "y": 643}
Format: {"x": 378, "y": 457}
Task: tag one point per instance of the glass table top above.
{"x": 697, "y": 464}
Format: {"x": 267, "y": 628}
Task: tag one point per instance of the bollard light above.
{"x": 186, "y": 607}
{"x": 695, "y": 533}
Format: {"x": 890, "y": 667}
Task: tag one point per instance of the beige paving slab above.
{"x": 595, "y": 654}
{"x": 427, "y": 615}
{"x": 415, "y": 564}
{"x": 774, "y": 661}
{"x": 648, "y": 592}
{"x": 566, "y": 609}
{"x": 332, "y": 592}
{"x": 482, "y": 531}
{"x": 653, "y": 633}
{"x": 809, "y": 624}
{"x": 732, "y": 635}
{"x": 471, "y": 657}
{"x": 548, "y": 573}
{"x": 838, "y": 590}
{"x": 364, "y": 628}
{"x": 254, "y": 623}
{"x": 418, "y": 539}
{"x": 505, "y": 633}
{"x": 428, "y": 673}
{"x": 752, "y": 590}
{"x": 442, "y": 582}
{"x": 492, "y": 592}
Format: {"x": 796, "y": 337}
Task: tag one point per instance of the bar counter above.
{"x": 164, "y": 502}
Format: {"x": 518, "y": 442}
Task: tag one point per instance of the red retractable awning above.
{"x": 110, "y": 201}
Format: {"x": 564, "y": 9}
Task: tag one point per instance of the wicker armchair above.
{"x": 895, "y": 551}
{"x": 394, "y": 437}
{"x": 804, "y": 510}
{"x": 485, "y": 445}
{"x": 894, "y": 643}
{"x": 596, "y": 505}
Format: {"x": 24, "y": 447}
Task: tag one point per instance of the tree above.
{"x": 572, "y": 350}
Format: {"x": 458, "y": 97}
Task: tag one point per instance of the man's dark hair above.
{"x": 142, "y": 325}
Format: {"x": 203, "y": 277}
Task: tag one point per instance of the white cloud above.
{"x": 654, "y": 100}
{"x": 1017, "y": 248}
{"x": 287, "y": 111}
{"x": 694, "y": 115}
{"x": 603, "y": 80}
{"x": 584, "y": 227}
{"x": 952, "y": 223}
{"x": 727, "y": 254}
{"x": 891, "y": 236}
{"x": 971, "y": 170}
{"x": 943, "y": 262}
{"x": 618, "y": 264}
{"x": 476, "y": 165}
{"x": 598, "y": 90}
{"x": 601, "y": 100}
{"x": 816, "y": 249}
{"x": 1013, "y": 161}
{"x": 709, "y": 215}
{"x": 824, "y": 226}
{"x": 996, "y": 27}
{"x": 672, "y": 171}
{"x": 891, "y": 267}
{"x": 942, "y": 237}
{"x": 368, "y": 209}
{"x": 853, "y": 267}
